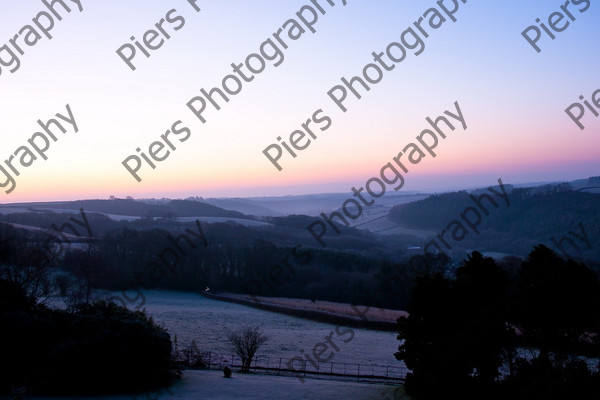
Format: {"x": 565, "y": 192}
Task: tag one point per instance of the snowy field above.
{"x": 210, "y": 385}
{"x": 193, "y": 317}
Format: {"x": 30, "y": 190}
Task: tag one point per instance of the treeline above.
{"x": 535, "y": 215}
{"x": 142, "y": 254}
{"x": 273, "y": 260}
{"x": 130, "y": 259}
{"x": 164, "y": 254}
{"x": 231, "y": 258}
{"x": 282, "y": 231}
{"x": 267, "y": 261}
{"x": 488, "y": 331}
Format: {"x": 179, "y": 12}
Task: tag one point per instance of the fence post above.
{"x": 279, "y": 370}
{"x": 304, "y": 368}
{"x": 331, "y": 370}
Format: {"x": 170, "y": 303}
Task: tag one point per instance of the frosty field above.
{"x": 193, "y": 317}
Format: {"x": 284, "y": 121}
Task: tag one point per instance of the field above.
{"x": 193, "y": 317}
{"x": 325, "y": 307}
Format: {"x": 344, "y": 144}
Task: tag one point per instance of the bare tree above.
{"x": 25, "y": 259}
{"x": 246, "y": 343}
{"x": 87, "y": 272}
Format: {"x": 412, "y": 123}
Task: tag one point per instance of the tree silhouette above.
{"x": 481, "y": 289}
{"x": 557, "y": 304}
{"x": 246, "y": 343}
{"x": 455, "y": 332}
{"x": 25, "y": 259}
{"x": 461, "y": 332}
{"x": 431, "y": 338}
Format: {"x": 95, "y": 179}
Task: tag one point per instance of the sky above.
{"x": 513, "y": 98}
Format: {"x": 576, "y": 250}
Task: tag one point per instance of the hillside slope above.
{"x": 533, "y": 216}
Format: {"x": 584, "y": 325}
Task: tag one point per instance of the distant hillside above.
{"x": 136, "y": 208}
{"x": 235, "y": 229}
{"x": 535, "y": 215}
{"x": 246, "y": 206}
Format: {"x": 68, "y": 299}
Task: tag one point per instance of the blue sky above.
{"x": 513, "y": 98}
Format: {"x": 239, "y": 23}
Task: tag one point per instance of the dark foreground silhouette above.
{"x": 95, "y": 349}
{"x": 491, "y": 332}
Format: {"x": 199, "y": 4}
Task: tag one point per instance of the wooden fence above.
{"x": 301, "y": 367}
